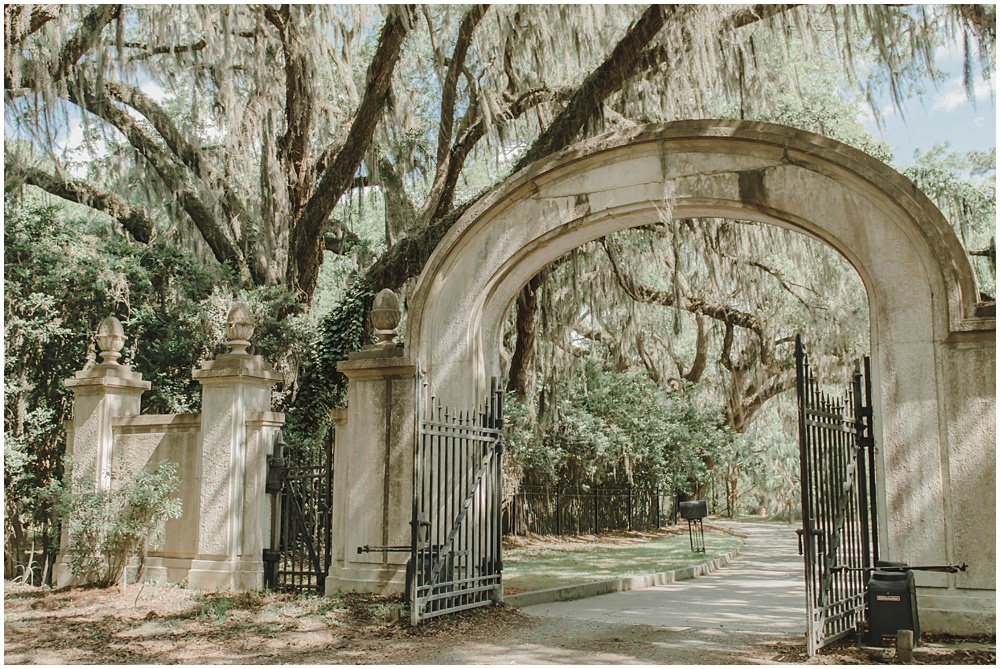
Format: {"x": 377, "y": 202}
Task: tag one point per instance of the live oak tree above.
{"x": 246, "y": 125}
{"x": 240, "y": 132}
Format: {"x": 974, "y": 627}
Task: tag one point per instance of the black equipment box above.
{"x": 892, "y": 605}
{"x": 695, "y": 510}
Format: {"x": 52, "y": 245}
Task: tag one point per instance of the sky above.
{"x": 942, "y": 114}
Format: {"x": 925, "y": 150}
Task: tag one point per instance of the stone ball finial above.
{"x": 110, "y": 339}
{"x": 385, "y": 316}
{"x": 239, "y": 328}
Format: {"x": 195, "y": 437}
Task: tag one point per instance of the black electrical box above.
{"x": 695, "y": 510}
{"x": 892, "y": 606}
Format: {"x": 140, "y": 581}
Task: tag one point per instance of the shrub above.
{"x": 107, "y": 528}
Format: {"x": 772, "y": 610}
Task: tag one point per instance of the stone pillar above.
{"x": 373, "y": 467}
{"x": 101, "y": 392}
{"x": 236, "y": 395}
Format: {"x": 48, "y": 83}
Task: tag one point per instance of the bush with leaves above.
{"x": 611, "y": 428}
{"x": 62, "y": 276}
{"x": 108, "y": 528}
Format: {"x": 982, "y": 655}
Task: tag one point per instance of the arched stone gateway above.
{"x": 933, "y": 345}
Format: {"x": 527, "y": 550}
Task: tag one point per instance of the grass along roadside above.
{"x": 536, "y": 563}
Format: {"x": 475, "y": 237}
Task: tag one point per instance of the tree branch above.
{"x": 135, "y": 221}
{"x": 713, "y": 310}
{"x": 335, "y": 180}
{"x": 450, "y": 88}
{"x": 340, "y": 240}
{"x": 293, "y": 146}
{"x": 84, "y": 38}
{"x": 599, "y": 84}
{"x": 442, "y": 194}
{"x": 657, "y": 55}
{"x": 739, "y": 417}
{"x": 701, "y": 352}
{"x": 647, "y": 359}
{"x": 161, "y": 121}
{"x": 172, "y": 49}
{"x": 174, "y": 175}
{"x": 13, "y": 21}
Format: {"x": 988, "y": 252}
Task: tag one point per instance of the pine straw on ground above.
{"x": 168, "y": 625}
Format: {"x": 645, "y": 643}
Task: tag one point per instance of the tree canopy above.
{"x": 304, "y": 157}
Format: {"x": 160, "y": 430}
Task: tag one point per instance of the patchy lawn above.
{"x": 535, "y": 562}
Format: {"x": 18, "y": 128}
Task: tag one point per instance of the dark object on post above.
{"x": 892, "y": 605}
{"x": 694, "y": 512}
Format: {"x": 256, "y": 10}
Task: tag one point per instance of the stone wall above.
{"x": 220, "y": 453}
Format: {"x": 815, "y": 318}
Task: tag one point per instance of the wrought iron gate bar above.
{"x": 837, "y": 494}
{"x": 455, "y": 561}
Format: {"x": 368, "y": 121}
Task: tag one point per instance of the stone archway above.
{"x": 934, "y": 346}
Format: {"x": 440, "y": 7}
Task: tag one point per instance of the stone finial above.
{"x": 239, "y": 328}
{"x": 110, "y": 339}
{"x": 385, "y": 316}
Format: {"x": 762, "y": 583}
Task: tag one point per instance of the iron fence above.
{"x": 555, "y": 511}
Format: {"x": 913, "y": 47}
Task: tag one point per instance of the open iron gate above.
{"x": 301, "y": 486}
{"x": 839, "y": 535}
{"x": 455, "y": 562}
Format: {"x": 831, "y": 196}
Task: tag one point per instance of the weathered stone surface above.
{"x": 937, "y": 397}
{"x": 373, "y": 473}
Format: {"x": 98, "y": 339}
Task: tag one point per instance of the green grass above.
{"x": 571, "y": 564}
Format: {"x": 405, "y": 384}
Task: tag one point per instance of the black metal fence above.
{"x": 301, "y": 490}
{"x": 543, "y": 510}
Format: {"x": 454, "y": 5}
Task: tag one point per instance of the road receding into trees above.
{"x": 750, "y": 611}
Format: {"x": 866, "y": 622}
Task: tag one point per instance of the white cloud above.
{"x": 951, "y": 96}
{"x": 951, "y": 51}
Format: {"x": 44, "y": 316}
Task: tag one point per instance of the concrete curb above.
{"x": 571, "y": 592}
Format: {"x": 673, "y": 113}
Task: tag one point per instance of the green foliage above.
{"x": 759, "y": 470}
{"x": 62, "y": 277}
{"x": 608, "y": 427}
{"x": 218, "y": 604}
{"x": 963, "y": 186}
{"x": 107, "y": 528}
{"x": 322, "y": 387}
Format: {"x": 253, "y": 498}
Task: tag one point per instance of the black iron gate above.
{"x": 300, "y": 484}
{"x": 839, "y": 535}
{"x": 455, "y": 560}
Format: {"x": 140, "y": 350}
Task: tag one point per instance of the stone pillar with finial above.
{"x": 101, "y": 392}
{"x": 236, "y": 410}
{"x": 373, "y": 466}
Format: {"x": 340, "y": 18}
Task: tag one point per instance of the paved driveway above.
{"x": 748, "y": 612}
{"x": 761, "y": 590}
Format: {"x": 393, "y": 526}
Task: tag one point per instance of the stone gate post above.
{"x": 101, "y": 392}
{"x": 236, "y": 401}
{"x": 373, "y": 466}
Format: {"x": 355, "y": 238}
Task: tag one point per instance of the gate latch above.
{"x": 383, "y": 549}
{"x": 800, "y": 532}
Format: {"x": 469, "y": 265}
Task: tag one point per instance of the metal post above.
{"x": 597, "y": 506}
{"x": 558, "y": 514}
{"x": 656, "y": 497}
{"x": 630, "y": 507}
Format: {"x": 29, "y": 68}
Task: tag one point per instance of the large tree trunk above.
{"x": 524, "y": 348}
